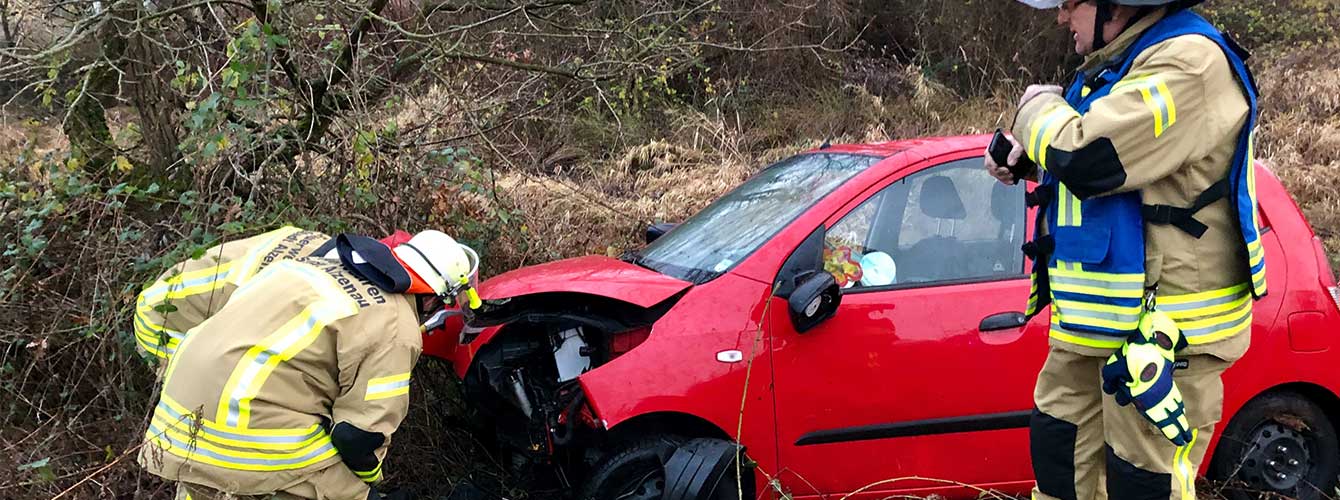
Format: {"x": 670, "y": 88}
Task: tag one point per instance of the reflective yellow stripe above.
{"x": 1168, "y": 303}
{"x": 387, "y": 387}
{"x": 1209, "y": 316}
{"x": 1045, "y": 131}
{"x": 1079, "y": 317}
{"x": 195, "y": 440}
{"x": 1108, "y": 277}
{"x": 239, "y": 438}
{"x": 295, "y": 335}
{"x": 1158, "y": 98}
{"x": 197, "y": 451}
{"x": 1255, "y": 253}
{"x": 186, "y": 284}
{"x": 149, "y": 335}
{"x": 1080, "y": 339}
{"x": 252, "y": 261}
{"x": 206, "y": 423}
{"x": 371, "y": 476}
{"x": 1072, "y": 278}
{"x": 1070, "y": 212}
{"x": 1182, "y": 467}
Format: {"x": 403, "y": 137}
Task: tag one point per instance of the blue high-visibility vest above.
{"x": 1091, "y": 269}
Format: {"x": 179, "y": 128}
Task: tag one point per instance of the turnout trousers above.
{"x": 1085, "y": 447}
{"x": 333, "y": 483}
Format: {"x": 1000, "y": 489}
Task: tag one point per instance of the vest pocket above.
{"x": 1084, "y": 244}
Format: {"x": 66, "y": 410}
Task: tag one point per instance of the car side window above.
{"x": 949, "y": 223}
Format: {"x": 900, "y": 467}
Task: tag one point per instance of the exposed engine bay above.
{"x": 524, "y": 379}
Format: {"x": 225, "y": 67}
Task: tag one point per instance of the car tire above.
{"x": 632, "y": 471}
{"x": 1279, "y": 443}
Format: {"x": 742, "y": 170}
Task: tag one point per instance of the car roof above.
{"x": 924, "y": 146}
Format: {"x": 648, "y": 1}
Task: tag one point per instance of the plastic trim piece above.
{"x": 969, "y": 423}
{"x": 695, "y": 469}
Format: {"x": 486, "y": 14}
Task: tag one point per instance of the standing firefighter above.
{"x": 1149, "y": 253}
{"x": 294, "y": 387}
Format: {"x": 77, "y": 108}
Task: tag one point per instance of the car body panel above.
{"x": 893, "y": 357}
{"x": 680, "y": 359}
{"x": 594, "y": 275}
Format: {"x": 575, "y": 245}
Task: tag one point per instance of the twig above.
{"x": 104, "y": 468}
{"x": 744, "y": 392}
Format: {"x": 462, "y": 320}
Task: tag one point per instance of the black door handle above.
{"x": 1002, "y": 321}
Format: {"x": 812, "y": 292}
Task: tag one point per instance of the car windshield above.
{"x": 731, "y": 228}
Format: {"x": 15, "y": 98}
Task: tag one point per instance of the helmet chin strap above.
{"x": 1104, "y": 15}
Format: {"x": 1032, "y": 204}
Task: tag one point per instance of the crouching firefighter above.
{"x": 1148, "y": 250}
{"x": 293, "y": 389}
{"x": 194, "y": 289}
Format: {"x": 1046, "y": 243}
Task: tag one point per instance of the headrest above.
{"x": 939, "y": 199}
{"x": 1005, "y": 204}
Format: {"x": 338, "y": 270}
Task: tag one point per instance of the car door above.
{"x": 925, "y": 370}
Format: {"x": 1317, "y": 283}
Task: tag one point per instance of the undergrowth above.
{"x": 586, "y": 178}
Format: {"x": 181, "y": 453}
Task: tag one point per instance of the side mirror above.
{"x": 814, "y": 300}
{"x": 657, "y": 230}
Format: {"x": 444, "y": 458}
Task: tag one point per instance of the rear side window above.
{"x": 948, "y": 223}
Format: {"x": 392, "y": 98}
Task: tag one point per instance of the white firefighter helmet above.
{"x": 439, "y": 260}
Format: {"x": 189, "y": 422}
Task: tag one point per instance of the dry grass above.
{"x": 1300, "y": 133}
{"x": 594, "y": 197}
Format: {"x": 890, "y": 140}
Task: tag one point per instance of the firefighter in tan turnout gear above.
{"x": 293, "y": 389}
{"x": 1147, "y": 246}
{"x": 193, "y": 290}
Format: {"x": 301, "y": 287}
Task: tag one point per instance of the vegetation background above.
{"x": 137, "y": 132}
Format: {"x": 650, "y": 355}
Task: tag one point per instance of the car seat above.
{"x": 1007, "y": 208}
{"x": 936, "y": 257}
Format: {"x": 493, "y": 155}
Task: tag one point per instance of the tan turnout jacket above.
{"x": 251, "y": 398}
{"x": 1169, "y": 129}
{"x": 193, "y": 290}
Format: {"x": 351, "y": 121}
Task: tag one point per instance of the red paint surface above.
{"x": 595, "y": 275}
{"x": 889, "y": 356}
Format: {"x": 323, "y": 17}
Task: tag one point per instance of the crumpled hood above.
{"x": 594, "y": 275}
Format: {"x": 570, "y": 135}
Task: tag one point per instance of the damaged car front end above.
{"x": 623, "y": 375}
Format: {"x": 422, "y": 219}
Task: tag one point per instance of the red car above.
{"x": 849, "y": 321}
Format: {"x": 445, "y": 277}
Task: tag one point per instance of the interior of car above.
{"x": 949, "y": 223}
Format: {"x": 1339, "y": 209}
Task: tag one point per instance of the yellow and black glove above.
{"x": 1141, "y": 372}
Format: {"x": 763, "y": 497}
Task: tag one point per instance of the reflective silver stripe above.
{"x": 1066, "y": 209}
{"x": 1094, "y": 283}
{"x": 271, "y": 462}
{"x": 1221, "y": 327}
{"x": 144, "y": 325}
{"x": 160, "y": 292}
{"x": 253, "y": 259}
{"x": 1162, "y": 101}
{"x": 387, "y": 386}
{"x": 1189, "y": 306}
{"x": 249, "y": 376}
{"x": 1067, "y": 313}
{"x": 239, "y": 437}
{"x": 1057, "y": 328}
